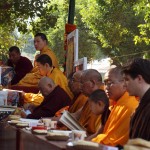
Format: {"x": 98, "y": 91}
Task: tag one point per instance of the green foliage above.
{"x": 17, "y": 12}
{"x": 28, "y": 46}
{"x": 116, "y": 25}
{"x": 119, "y": 29}
{"x": 16, "y": 15}
{"x": 143, "y": 8}
{"x": 9, "y": 38}
{"x": 88, "y": 46}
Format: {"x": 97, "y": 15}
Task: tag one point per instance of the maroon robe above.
{"x": 140, "y": 122}
{"x": 22, "y": 67}
{"x": 56, "y": 100}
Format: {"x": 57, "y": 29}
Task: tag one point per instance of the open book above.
{"x": 68, "y": 120}
{"x": 137, "y": 144}
{"x": 88, "y": 145}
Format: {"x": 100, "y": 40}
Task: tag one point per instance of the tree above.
{"x": 115, "y": 28}
{"x": 115, "y": 25}
{"x": 16, "y": 13}
{"x": 143, "y": 8}
{"x": 58, "y": 10}
{"x": 9, "y": 38}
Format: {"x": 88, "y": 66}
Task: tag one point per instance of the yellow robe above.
{"x": 59, "y": 78}
{"x": 116, "y": 129}
{"x": 51, "y": 54}
{"x": 79, "y": 102}
{"x": 32, "y": 78}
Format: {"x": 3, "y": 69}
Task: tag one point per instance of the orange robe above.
{"x": 59, "y": 78}
{"x": 32, "y": 78}
{"x": 79, "y": 102}
{"x": 88, "y": 120}
{"x": 116, "y": 129}
{"x": 60, "y": 111}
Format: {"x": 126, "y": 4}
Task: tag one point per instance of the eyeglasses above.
{"x": 111, "y": 83}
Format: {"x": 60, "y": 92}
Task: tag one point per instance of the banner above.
{"x": 72, "y": 51}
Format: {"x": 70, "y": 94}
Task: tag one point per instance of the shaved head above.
{"x": 114, "y": 83}
{"x": 91, "y": 80}
{"x": 46, "y": 85}
{"x": 78, "y": 74}
{"x": 75, "y": 83}
{"x": 92, "y": 74}
{"x": 117, "y": 71}
{"x": 46, "y": 80}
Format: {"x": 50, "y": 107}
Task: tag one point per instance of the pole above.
{"x": 69, "y": 27}
{"x": 71, "y": 12}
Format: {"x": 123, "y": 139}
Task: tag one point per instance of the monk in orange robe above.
{"x": 41, "y": 44}
{"x": 116, "y": 129}
{"x": 44, "y": 64}
{"x": 91, "y": 80}
{"x": 79, "y": 99}
{"x": 75, "y": 86}
{"x": 78, "y": 103}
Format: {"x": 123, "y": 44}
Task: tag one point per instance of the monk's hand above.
{"x": 29, "y": 107}
{"x": 17, "y": 111}
{"x": 32, "y": 107}
{"x": 23, "y": 114}
{"x": 26, "y": 106}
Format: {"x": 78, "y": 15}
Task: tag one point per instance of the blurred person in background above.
{"x": 21, "y": 65}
